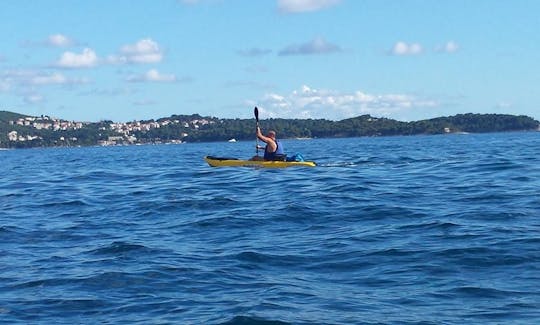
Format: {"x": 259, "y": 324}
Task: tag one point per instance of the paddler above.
{"x": 273, "y": 150}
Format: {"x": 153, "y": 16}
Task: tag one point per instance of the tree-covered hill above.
{"x": 6, "y": 116}
{"x": 21, "y": 131}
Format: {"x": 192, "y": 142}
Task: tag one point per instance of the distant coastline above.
{"x": 23, "y": 131}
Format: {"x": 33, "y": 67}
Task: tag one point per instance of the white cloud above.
{"x": 143, "y": 51}
{"x": 153, "y": 75}
{"x": 55, "y": 79}
{"x": 86, "y": 59}
{"x": 53, "y": 40}
{"x": 11, "y": 79}
{"x": 109, "y": 92}
{"x": 27, "y": 83}
{"x": 24, "y": 79}
{"x": 402, "y": 48}
{"x": 449, "y": 47}
{"x": 316, "y": 46}
{"x": 503, "y": 105}
{"x": 59, "y": 40}
{"x": 313, "y": 103}
{"x": 34, "y": 98}
{"x": 298, "y": 6}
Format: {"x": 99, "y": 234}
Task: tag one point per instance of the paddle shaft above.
{"x": 256, "y": 112}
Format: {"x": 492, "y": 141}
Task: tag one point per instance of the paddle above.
{"x": 256, "y": 112}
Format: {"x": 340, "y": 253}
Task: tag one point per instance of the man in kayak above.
{"x": 273, "y": 150}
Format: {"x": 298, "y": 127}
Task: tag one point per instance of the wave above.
{"x": 118, "y": 248}
{"x": 266, "y": 259}
{"x": 66, "y": 203}
{"x": 249, "y": 320}
{"x": 483, "y": 292}
{"x": 9, "y": 230}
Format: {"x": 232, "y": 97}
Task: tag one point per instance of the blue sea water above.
{"x": 408, "y": 230}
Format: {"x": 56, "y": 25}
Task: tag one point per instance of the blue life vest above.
{"x": 276, "y": 155}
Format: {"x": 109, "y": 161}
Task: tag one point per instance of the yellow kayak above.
{"x": 233, "y": 162}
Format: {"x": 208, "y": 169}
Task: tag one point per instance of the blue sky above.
{"x": 403, "y": 59}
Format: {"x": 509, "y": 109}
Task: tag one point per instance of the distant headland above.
{"x": 23, "y": 131}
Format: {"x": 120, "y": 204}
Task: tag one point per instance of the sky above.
{"x": 126, "y": 60}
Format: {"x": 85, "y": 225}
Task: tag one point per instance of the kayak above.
{"x": 234, "y": 162}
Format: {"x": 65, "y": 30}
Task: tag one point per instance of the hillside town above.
{"x": 40, "y": 123}
{"x": 117, "y": 133}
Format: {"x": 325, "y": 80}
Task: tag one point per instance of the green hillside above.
{"x": 6, "y": 116}
{"x": 47, "y": 132}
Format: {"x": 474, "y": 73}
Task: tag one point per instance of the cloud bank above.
{"x": 144, "y": 51}
{"x": 402, "y": 48}
{"x": 152, "y": 75}
{"x": 33, "y": 99}
{"x": 316, "y": 46}
{"x": 31, "y": 78}
{"x": 328, "y": 104}
{"x": 448, "y": 47}
{"x": 72, "y": 60}
{"x": 29, "y": 83}
{"x": 55, "y": 79}
{"x": 59, "y": 40}
{"x": 299, "y": 6}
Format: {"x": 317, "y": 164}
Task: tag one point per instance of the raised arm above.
{"x": 261, "y": 136}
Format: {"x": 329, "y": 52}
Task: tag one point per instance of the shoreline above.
{"x": 286, "y": 139}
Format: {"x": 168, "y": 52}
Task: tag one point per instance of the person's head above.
{"x": 272, "y": 134}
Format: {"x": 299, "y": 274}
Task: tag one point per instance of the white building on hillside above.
{"x": 12, "y": 136}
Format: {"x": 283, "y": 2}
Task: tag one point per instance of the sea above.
{"x": 441, "y": 229}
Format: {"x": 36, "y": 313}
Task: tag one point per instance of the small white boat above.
{"x": 232, "y": 140}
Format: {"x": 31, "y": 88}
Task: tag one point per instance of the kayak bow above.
{"x": 233, "y": 162}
